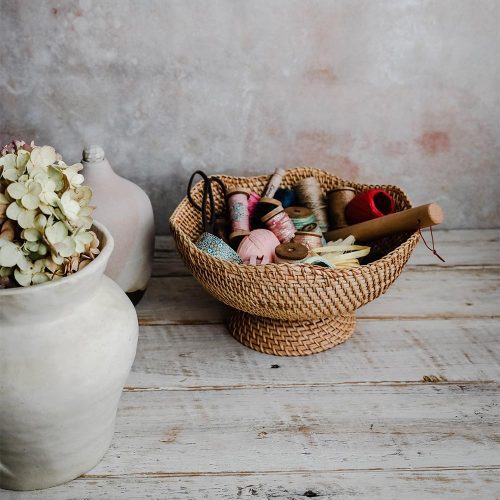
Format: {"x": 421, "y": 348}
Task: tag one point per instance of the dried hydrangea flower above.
{"x": 45, "y": 216}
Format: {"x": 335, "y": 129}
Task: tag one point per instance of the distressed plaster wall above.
{"x": 388, "y": 91}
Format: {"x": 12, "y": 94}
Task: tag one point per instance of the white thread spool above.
{"x": 274, "y": 183}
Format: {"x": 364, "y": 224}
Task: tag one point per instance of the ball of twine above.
{"x": 310, "y": 195}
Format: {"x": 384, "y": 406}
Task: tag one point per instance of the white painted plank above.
{"x": 423, "y": 292}
{"x": 178, "y": 300}
{"x": 428, "y": 484}
{"x": 462, "y": 247}
{"x": 342, "y": 427}
{"x": 439, "y": 292}
{"x": 205, "y": 356}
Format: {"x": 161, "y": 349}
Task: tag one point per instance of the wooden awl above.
{"x": 399, "y": 222}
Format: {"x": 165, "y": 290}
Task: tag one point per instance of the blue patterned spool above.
{"x": 215, "y": 247}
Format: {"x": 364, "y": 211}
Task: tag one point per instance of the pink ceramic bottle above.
{"x": 126, "y": 211}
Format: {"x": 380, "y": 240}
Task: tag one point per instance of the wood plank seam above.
{"x": 166, "y": 474}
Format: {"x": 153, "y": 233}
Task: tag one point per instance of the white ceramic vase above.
{"x": 126, "y": 211}
{"x": 66, "y": 348}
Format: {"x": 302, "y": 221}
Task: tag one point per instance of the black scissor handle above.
{"x": 208, "y": 197}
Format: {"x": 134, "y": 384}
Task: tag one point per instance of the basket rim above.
{"x": 333, "y": 273}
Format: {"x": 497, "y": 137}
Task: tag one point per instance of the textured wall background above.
{"x": 389, "y": 91}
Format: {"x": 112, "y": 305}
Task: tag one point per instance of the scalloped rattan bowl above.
{"x": 285, "y": 309}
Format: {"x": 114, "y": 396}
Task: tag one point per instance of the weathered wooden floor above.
{"x": 407, "y": 408}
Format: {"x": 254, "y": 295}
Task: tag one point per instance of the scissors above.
{"x": 208, "y": 201}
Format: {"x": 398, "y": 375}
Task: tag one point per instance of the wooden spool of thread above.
{"x": 236, "y": 236}
{"x": 301, "y": 217}
{"x": 237, "y": 201}
{"x": 400, "y": 222}
{"x": 310, "y": 195}
{"x": 274, "y": 183}
{"x": 312, "y": 228}
{"x": 280, "y": 224}
{"x": 263, "y": 207}
{"x": 309, "y": 239}
{"x": 290, "y": 253}
{"x": 338, "y": 199}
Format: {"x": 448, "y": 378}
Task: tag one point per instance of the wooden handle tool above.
{"x": 399, "y": 222}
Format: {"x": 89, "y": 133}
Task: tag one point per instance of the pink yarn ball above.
{"x": 258, "y": 247}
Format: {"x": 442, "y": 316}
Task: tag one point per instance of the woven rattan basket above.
{"x": 285, "y": 309}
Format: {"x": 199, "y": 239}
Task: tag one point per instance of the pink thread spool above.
{"x": 309, "y": 239}
{"x": 280, "y": 224}
{"x": 258, "y": 247}
{"x": 253, "y": 199}
{"x": 237, "y": 200}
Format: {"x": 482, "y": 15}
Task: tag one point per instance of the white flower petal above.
{"x": 16, "y": 190}
{"x": 56, "y": 233}
{"x": 77, "y": 179}
{"x": 43, "y": 156}
{"x": 26, "y": 218}
{"x": 39, "y": 278}
{"x": 22, "y": 160}
{"x": 9, "y": 254}
{"x": 10, "y": 174}
{"x": 35, "y": 188}
{"x": 24, "y": 279}
{"x": 13, "y": 211}
{"x": 31, "y": 235}
{"x": 30, "y": 201}
{"x": 66, "y": 248}
{"x": 8, "y": 161}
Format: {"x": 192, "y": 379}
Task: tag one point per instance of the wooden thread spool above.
{"x": 337, "y": 201}
{"x": 405, "y": 221}
{"x": 280, "y": 224}
{"x": 290, "y": 253}
{"x": 236, "y": 236}
{"x": 237, "y": 201}
{"x": 262, "y": 208}
{"x": 301, "y": 216}
{"x": 309, "y": 239}
{"x": 310, "y": 195}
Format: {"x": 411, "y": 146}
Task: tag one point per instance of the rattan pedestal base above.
{"x": 289, "y": 338}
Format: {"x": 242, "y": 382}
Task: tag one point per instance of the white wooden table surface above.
{"x": 407, "y": 408}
